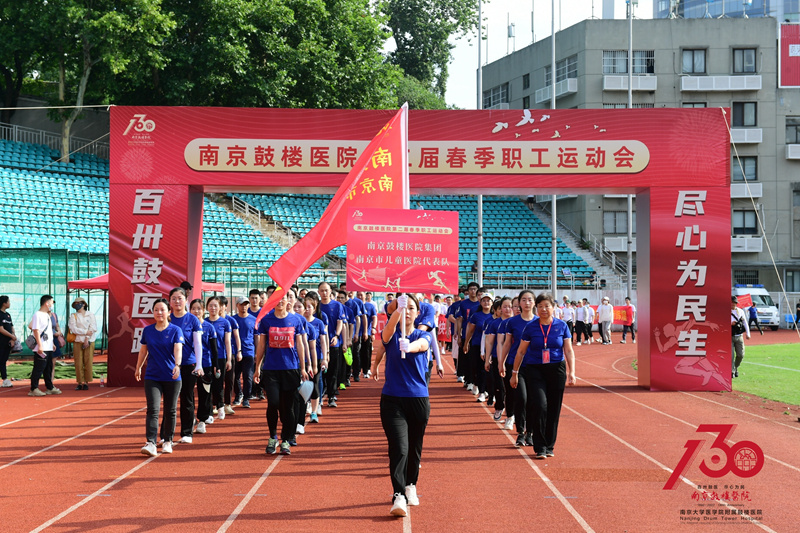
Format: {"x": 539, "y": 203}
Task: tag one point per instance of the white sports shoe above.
{"x": 166, "y": 447}
{"x": 221, "y": 414}
{"x": 369, "y": 374}
{"x": 509, "y": 425}
{"x": 482, "y": 397}
{"x": 308, "y": 408}
{"x": 229, "y": 410}
{"x": 54, "y": 390}
{"x": 7, "y": 383}
{"x": 411, "y": 495}
{"x": 301, "y": 430}
{"x": 149, "y": 449}
{"x": 319, "y": 408}
{"x": 201, "y": 428}
{"x": 186, "y": 440}
{"x": 460, "y": 379}
{"x": 399, "y": 507}
{"x": 469, "y": 387}
{"x": 210, "y": 420}
{"x": 475, "y": 390}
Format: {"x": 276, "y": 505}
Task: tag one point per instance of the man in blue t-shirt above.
{"x": 466, "y": 308}
{"x": 337, "y": 322}
{"x": 352, "y": 320}
{"x": 247, "y": 338}
{"x": 368, "y": 335}
{"x": 357, "y": 306}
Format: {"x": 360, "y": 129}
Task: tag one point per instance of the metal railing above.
{"x": 21, "y": 134}
{"x": 246, "y": 212}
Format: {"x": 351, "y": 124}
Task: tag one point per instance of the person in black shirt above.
{"x": 7, "y": 338}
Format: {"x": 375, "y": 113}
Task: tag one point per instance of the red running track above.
{"x": 72, "y": 463}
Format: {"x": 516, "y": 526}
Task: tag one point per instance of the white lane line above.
{"x": 407, "y": 521}
{"x": 662, "y": 466}
{"x": 235, "y": 514}
{"x": 95, "y": 494}
{"x": 771, "y": 366}
{"x": 568, "y": 506}
{"x": 12, "y": 463}
{"x": 691, "y": 425}
{"x": 60, "y": 407}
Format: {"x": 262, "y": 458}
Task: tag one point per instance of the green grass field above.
{"x": 22, "y": 370}
{"x": 772, "y": 372}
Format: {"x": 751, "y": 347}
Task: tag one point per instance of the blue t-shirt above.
{"x": 465, "y": 312}
{"x": 335, "y": 312}
{"x": 426, "y": 316}
{"x": 535, "y": 334}
{"x": 321, "y": 330}
{"x": 222, "y": 326}
{"x": 514, "y": 326}
{"x": 209, "y": 336}
{"x": 357, "y": 307}
{"x": 491, "y": 329}
{"x": 161, "y": 351}
{"x": 234, "y": 326}
{"x": 247, "y": 331}
{"x": 479, "y": 319}
{"x": 188, "y": 324}
{"x": 453, "y": 311}
{"x": 313, "y": 336}
{"x": 371, "y": 311}
{"x": 254, "y": 313}
{"x": 281, "y": 334}
{"x": 406, "y": 377}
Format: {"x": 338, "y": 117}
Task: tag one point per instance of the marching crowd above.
{"x": 513, "y": 353}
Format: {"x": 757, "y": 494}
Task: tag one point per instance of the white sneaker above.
{"x": 475, "y": 390}
{"x": 301, "y": 430}
{"x": 7, "y": 383}
{"x": 186, "y": 440}
{"x": 221, "y": 414}
{"x": 166, "y": 447}
{"x": 460, "y": 379}
{"x": 308, "y": 408}
{"x": 577, "y": 344}
{"x": 210, "y": 419}
{"x": 54, "y": 390}
{"x": 482, "y": 397}
{"x": 469, "y": 387}
{"x": 149, "y": 449}
{"x": 201, "y": 428}
{"x": 411, "y": 495}
{"x": 399, "y": 507}
{"x": 509, "y": 425}
{"x": 622, "y": 342}
{"x": 319, "y": 408}
{"x": 36, "y": 392}
{"x": 369, "y": 374}
{"x": 634, "y": 341}
{"x": 214, "y": 411}
{"x": 229, "y": 410}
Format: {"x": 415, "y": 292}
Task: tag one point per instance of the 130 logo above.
{"x": 140, "y": 124}
{"x": 744, "y": 458}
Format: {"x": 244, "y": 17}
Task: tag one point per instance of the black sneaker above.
{"x": 540, "y": 456}
{"x": 332, "y": 402}
{"x": 272, "y": 446}
{"x": 528, "y": 439}
{"x": 549, "y": 452}
{"x": 356, "y": 379}
{"x": 261, "y": 396}
{"x": 285, "y": 450}
{"x": 520, "y": 441}
{"x": 736, "y": 374}
{"x": 246, "y": 404}
{"x": 292, "y": 441}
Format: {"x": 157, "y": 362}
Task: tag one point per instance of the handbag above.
{"x": 71, "y": 337}
{"x": 31, "y": 343}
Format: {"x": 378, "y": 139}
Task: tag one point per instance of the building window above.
{"x": 526, "y": 81}
{"x": 694, "y": 62}
{"x": 744, "y": 222}
{"x": 566, "y": 68}
{"x": 625, "y": 106}
{"x": 694, "y": 104}
{"x": 744, "y": 60}
{"x": 616, "y": 62}
{"x": 750, "y": 166}
{"x": 495, "y": 95}
{"x": 616, "y": 222}
{"x": 744, "y": 115}
{"x": 792, "y": 130}
{"x": 526, "y": 102}
{"x": 793, "y": 281}
{"x": 745, "y": 277}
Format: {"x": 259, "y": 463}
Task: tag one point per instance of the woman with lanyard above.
{"x": 210, "y": 351}
{"x": 279, "y": 370}
{"x": 162, "y": 348}
{"x": 224, "y": 360}
{"x": 322, "y": 343}
{"x": 192, "y": 360}
{"x": 503, "y": 311}
{"x": 310, "y": 351}
{"x": 547, "y": 363}
{"x": 516, "y": 397}
{"x": 472, "y": 346}
{"x": 404, "y": 400}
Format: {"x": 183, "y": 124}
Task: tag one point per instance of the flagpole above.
{"x": 479, "y": 266}
{"x": 554, "y": 244}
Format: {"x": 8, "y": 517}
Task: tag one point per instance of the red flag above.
{"x": 379, "y": 179}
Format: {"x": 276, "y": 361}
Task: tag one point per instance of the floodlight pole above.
{"x": 631, "y": 3}
{"x": 554, "y": 222}
{"x": 479, "y": 266}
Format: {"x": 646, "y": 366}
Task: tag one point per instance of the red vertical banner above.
{"x": 789, "y": 55}
{"x": 689, "y": 293}
{"x": 393, "y": 250}
{"x": 148, "y": 254}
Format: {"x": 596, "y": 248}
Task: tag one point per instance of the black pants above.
{"x": 476, "y": 374}
{"x": 154, "y": 390}
{"x": 5, "y": 351}
{"x": 204, "y": 386}
{"x": 625, "y": 330}
{"x": 584, "y": 329}
{"x": 336, "y": 359}
{"x": 521, "y": 405}
{"x": 245, "y": 367}
{"x": 510, "y": 396}
{"x": 366, "y": 355}
{"x": 42, "y": 367}
{"x": 280, "y": 387}
{"x": 355, "y": 368}
{"x": 404, "y": 421}
{"x": 229, "y": 395}
{"x": 188, "y": 381}
{"x": 545, "y": 385}
{"x": 494, "y": 386}
{"x": 755, "y": 321}
{"x": 218, "y": 384}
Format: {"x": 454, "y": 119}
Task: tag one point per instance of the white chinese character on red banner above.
{"x": 693, "y": 341}
{"x": 143, "y": 304}
{"x": 692, "y": 271}
{"x": 694, "y": 305}
{"x": 690, "y": 203}
{"x": 147, "y": 201}
{"x": 684, "y": 240}
{"x": 137, "y": 340}
{"x": 145, "y": 271}
{"x": 147, "y": 236}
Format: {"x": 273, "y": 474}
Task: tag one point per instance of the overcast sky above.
{"x": 461, "y": 84}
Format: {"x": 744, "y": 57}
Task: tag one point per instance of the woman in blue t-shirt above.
{"x": 516, "y": 395}
{"x": 280, "y": 370}
{"x": 322, "y": 343}
{"x": 162, "y": 349}
{"x": 494, "y": 383}
{"x": 404, "y": 401}
{"x": 473, "y": 340}
{"x": 210, "y": 349}
{"x": 224, "y": 360}
{"x": 547, "y": 363}
{"x": 192, "y": 362}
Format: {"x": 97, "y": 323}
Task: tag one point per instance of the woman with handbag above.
{"x": 41, "y": 342}
{"x": 82, "y": 334}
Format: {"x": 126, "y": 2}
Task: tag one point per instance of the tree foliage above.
{"x": 421, "y": 29}
{"x": 20, "y": 27}
{"x": 418, "y": 95}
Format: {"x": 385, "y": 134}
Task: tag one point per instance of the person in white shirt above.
{"x": 590, "y": 314}
{"x": 83, "y": 325}
{"x": 568, "y": 316}
{"x": 42, "y": 331}
{"x": 580, "y": 318}
{"x": 605, "y": 316}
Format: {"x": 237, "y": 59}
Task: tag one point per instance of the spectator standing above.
{"x": 590, "y": 316}
{"x": 7, "y": 338}
{"x": 605, "y": 316}
{"x": 42, "y": 330}
{"x": 739, "y": 329}
{"x": 580, "y": 321}
{"x": 631, "y": 309}
{"x": 83, "y": 325}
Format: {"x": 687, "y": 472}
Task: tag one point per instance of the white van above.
{"x": 767, "y": 310}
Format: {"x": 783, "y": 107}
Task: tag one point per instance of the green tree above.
{"x": 421, "y": 29}
{"x": 19, "y": 48}
{"x": 418, "y": 95}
